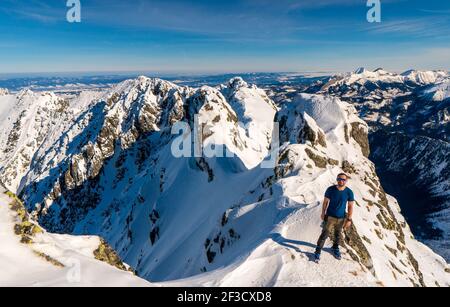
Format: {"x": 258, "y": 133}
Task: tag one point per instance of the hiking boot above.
{"x": 316, "y": 257}
{"x": 337, "y": 253}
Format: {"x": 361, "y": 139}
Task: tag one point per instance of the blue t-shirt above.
{"x": 338, "y": 201}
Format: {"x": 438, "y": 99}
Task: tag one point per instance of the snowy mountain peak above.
{"x": 125, "y": 116}
{"x": 324, "y": 117}
{"x": 366, "y": 72}
{"x": 424, "y": 77}
{"x": 409, "y": 72}
{"x": 360, "y": 70}
{"x": 363, "y": 75}
{"x": 143, "y": 84}
{"x": 376, "y": 86}
{"x": 24, "y": 93}
{"x": 438, "y": 92}
{"x": 237, "y": 83}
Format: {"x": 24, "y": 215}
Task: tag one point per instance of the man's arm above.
{"x": 326, "y": 203}
{"x": 351, "y": 204}
{"x": 349, "y": 222}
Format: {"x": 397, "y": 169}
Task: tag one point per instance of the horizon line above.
{"x": 95, "y": 73}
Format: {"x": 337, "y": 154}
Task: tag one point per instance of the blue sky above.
{"x": 199, "y": 36}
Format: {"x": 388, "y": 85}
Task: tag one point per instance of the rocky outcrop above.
{"x": 360, "y": 134}
{"x": 24, "y": 227}
{"x": 105, "y": 253}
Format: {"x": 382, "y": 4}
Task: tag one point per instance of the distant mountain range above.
{"x": 80, "y": 82}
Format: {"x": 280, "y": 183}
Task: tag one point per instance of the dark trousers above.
{"x": 332, "y": 228}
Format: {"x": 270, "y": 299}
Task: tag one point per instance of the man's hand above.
{"x": 349, "y": 221}
{"x": 348, "y": 224}
{"x": 326, "y": 202}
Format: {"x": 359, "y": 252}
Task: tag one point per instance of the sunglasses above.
{"x": 341, "y": 180}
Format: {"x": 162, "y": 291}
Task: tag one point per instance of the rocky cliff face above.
{"x": 109, "y": 169}
{"x": 425, "y": 162}
{"x": 126, "y": 129}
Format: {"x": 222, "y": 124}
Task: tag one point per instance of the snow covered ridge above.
{"x": 438, "y": 92}
{"x": 363, "y": 75}
{"x": 106, "y": 168}
{"x": 386, "y": 100}
{"x": 136, "y": 108}
{"x": 424, "y": 77}
{"x": 45, "y": 259}
{"x": 378, "y": 84}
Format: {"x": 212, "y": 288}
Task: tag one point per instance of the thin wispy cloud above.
{"x": 254, "y": 19}
{"x": 423, "y": 27}
{"x": 436, "y": 11}
{"x": 191, "y": 17}
{"x": 33, "y": 10}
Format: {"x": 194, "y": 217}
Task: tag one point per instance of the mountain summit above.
{"x": 408, "y": 117}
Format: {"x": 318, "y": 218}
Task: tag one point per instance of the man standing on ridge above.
{"x": 335, "y": 216}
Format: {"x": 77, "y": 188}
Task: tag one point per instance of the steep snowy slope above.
{"x": 111, "y": 170}
{"x": 27, "y": 120}
{"x": 32, "y": 257}
{"x": 438, "y": 92}
{"x": 424, "y": 77}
